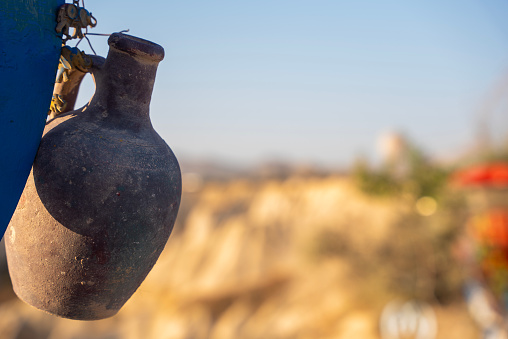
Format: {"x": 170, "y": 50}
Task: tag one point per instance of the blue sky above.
{"x": 314, "y": 81}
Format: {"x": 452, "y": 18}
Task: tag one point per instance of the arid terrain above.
{"x": 305, "y": 256}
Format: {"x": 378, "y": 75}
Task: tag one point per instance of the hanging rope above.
{"x": 76, "y": 17}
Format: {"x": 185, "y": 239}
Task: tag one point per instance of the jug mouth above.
{"x": 136, "y": 46}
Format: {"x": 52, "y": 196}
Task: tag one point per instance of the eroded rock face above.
{"x": 102, "y": 197}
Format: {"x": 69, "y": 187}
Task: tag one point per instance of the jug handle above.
{"x": 68, "y": 90}
{"x": 97, "y": 63}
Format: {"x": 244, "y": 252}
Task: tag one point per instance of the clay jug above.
{"x": 102, "y": 197}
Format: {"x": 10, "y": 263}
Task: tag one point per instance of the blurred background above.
{"x": 336, "y": 158}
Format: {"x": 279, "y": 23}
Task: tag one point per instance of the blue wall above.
{"x": 29, "y": 52}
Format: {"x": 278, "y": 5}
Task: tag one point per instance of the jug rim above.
{"x": 136, "y": 46}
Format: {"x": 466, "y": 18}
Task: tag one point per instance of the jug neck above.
{"x": 124, "y": 82}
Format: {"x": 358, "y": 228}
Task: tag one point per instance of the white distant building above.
{"x": 391, "y": 147}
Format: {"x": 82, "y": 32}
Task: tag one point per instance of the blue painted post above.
{"x": 29, "y": 52}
